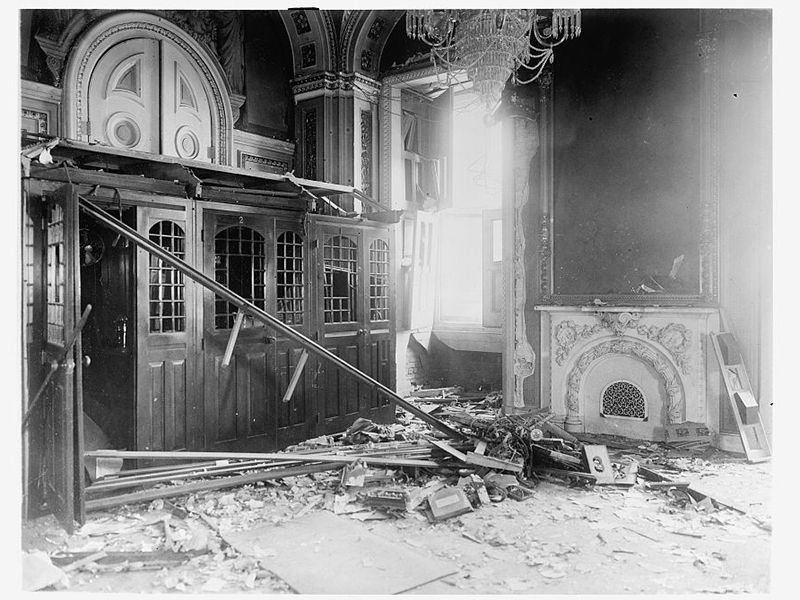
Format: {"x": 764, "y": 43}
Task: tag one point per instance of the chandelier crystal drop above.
{"x": 492, "y": 46}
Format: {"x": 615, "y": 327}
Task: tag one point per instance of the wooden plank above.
{"x": 112, "y": 180}
{"x": 201, "y": 486}
{"x": 237, "y": 325}
{"x": 480, "y": 460}
{"x": 565, "y": 473}
{"x": 127, "y": 482}
{"x": 740, "y": 395}
{"x": 449, "y": 449}
{"x": 298, "y": 372}
{"x": 279, "y": 456}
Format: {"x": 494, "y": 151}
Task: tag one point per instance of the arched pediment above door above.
{"x": 110, "y": 100}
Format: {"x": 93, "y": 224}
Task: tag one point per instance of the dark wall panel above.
{"x": 627, "y": 151}
{"x": 268, "y": 70}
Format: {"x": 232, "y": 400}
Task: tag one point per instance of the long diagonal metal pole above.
{"x": 94, "y": 211}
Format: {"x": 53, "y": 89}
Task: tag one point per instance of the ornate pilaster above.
{"x": 707, "y": 45}
{"x": 524, "y": 144}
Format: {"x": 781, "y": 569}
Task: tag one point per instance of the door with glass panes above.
{"x": 262, "y": 259}
{"x": 168, "y": 415}
{"x": 355, "y": 322}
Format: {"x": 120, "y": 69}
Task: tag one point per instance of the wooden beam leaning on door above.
{"x": 237, "y": 325}
{"x": 260, "y": 315}
{"x": 298, "y": 371}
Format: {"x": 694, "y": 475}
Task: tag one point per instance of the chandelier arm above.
{"x": 539, "y": 68}
{"x": 543, "y": 42}
{"x": 541, "y": 56}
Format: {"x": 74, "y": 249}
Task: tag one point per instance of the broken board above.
{"x": 321, "y": 553}
{"x": 740, "y": 393}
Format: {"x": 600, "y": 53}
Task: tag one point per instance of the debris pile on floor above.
{"x": 199, "y": 505}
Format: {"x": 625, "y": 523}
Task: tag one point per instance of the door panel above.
{"x": 239, "y": 399}
{"x": 123, "y": 96}
{"x": 353, "y": 287}
{"x": 167, "y": 416}
{"x": 185, "y": 110}
{"x": 379, "y": 337}
{"x": 62, "y": 404}
{"x": 147, "y": 95}
{"x": 296, "y": 418}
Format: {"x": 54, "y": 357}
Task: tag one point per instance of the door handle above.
{"x": 87, "y": 360}
{"x": 361, "y": 332}
{"x": 270, "y": 339}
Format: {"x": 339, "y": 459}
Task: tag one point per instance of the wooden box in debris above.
{"x": 449, "y": 502}
{"x": 387, "y": 498}
{"x": 687, "y": 432}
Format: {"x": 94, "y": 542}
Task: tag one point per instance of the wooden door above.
{"x": 297, "y": 416}
{"x": 124, "y": 95}
{"x": 380, "y": 321}
{"x": 239, "y": 399}
{"x": 62, "y": 404}
{"x": 185, "y": 110}
{"x": 168, "y": 414}
{"x": 343, "y": 293}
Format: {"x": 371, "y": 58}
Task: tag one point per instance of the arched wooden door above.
{"x": 144, "y": 94}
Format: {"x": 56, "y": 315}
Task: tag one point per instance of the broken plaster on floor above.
{"x": 563, "y": 540}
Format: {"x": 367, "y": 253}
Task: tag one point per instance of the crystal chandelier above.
{"x": 491, "y": 46}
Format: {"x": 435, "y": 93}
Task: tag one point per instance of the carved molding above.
{"x": 675, "y": 337}
{"x": 366, "y": 152}
{"x": 385, "y": 124}
{"x": 638, "y": 350}
{"x": 709, "y": 265}
{"x": 310, "y": 144}
{"x": 567, "y": 333}
{"x": 39, "y": 117}
{"x": 55, "y": 53}
{"x": 331, "y": 82}
{"x": 526, "y": 143}
{"x": 274, "y": 166}
{"x": 237, "y": 101}
{"x": 618, "y": 322}
{"x": 200, "y": 24}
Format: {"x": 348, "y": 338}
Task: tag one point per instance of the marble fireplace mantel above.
{"x": 657, "y": 354}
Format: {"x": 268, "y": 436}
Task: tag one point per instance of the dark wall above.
{"x": 471, "y": 370}
{"x": 400, "y": 50}
{"x": 627, "y": 151}
{"x": 33, "y": 62}
{"x": 268, "y": 70}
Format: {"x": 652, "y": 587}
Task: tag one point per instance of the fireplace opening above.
{"x": 623, "y": 400}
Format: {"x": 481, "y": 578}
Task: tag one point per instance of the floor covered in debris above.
{"x": 689, "y": 520}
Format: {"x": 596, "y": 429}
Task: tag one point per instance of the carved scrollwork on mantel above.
{"x": 567, "y": 333}
{"x": 676, "y": 338}
{"x": 675, "y": 395}
{"x": 618, "y": 322}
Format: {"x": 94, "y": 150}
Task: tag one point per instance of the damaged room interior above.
{"x": 425, "y": 301}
